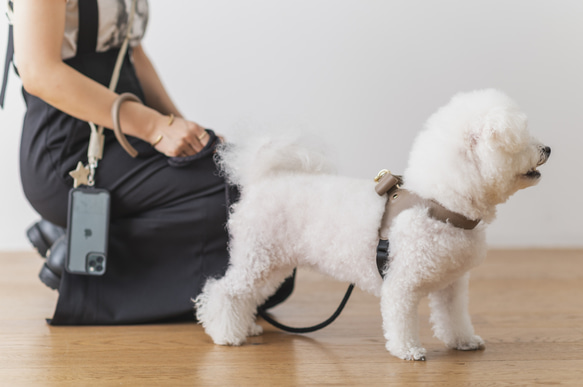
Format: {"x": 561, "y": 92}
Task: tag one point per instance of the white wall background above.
{"x": 364, "y": 75}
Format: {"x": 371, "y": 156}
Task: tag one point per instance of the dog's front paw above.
{"x": 255, "y": 330}
{"x": 473, "y": 344}
{"x": 411, "y": 353}
{"x": 416, "y": 353}
{"x": 226, "y": 340}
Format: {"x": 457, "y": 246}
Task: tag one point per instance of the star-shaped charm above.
{"x": 80, "y": 175}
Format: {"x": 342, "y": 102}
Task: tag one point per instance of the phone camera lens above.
{"x": 95, "y": 263}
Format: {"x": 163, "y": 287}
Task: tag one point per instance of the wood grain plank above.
{"x": 526, "y": 304}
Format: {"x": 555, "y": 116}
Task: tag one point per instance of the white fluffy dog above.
{"x": 472, "y": 155}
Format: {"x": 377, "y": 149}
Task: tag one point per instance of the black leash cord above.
{"x": 314, "y": 328}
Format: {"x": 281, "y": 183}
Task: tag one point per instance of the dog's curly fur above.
{"x": 472, "y": 155}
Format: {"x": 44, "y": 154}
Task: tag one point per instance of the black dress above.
{"x": 167, "y": 230}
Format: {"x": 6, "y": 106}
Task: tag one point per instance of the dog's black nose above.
{"x": 547, "y": 150}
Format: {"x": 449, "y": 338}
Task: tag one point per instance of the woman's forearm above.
{"x": 38, "y": 32}
{"x": 81, "y": 97}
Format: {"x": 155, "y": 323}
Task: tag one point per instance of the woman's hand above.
{"x": 177, "y": 137}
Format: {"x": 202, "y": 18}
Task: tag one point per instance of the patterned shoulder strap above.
{"x": 9, "y": 55}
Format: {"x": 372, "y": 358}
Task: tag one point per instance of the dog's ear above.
{"x": 505, "y": 128}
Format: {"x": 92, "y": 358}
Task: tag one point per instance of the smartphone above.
{"x": 87, "y": 231}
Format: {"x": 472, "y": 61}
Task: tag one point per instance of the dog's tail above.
{"x": 259, "y": 157}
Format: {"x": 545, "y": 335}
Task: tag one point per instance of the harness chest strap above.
{"x": 401, "y": 199}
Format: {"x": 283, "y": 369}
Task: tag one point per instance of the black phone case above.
{"x": 87, "y": 231}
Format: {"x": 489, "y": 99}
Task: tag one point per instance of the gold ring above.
{"x": 170, "y": 119}
{"x": 157, "y": 140}
{"x": 203, "y": 135}
{"x": 381, "y": 173}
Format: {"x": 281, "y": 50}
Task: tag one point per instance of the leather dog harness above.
{"x": 400, "y": 199}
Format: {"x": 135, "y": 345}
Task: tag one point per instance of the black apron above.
{"x": 168, "y": 216}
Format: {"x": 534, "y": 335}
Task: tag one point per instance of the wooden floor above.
{"x": 527, "y": 305}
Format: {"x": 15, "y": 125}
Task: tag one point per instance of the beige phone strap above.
{"x": 86, "y": 175}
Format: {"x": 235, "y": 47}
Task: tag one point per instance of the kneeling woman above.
{"x": 168, "y": 205}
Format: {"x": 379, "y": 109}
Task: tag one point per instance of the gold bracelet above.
{"x": 160, "y": 137}
{"x": 157, "y": 140}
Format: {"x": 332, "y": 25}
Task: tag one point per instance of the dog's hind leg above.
{"x": 227, "y": 306}
{"x": 265, "y": 288}
{"x": 450, "y": 316}
{"x": 223, "y": 313}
